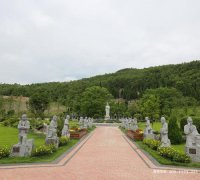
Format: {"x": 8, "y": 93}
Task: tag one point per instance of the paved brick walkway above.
{"x": 107, "y": 154}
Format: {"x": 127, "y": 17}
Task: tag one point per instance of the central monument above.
{"x": 107, "y": 116}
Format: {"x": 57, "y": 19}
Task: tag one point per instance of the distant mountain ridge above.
{"x": 127, "y": 83}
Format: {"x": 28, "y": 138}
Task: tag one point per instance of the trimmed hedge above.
{"x": 196, "y": 122}
{"x": 4, "y": 152}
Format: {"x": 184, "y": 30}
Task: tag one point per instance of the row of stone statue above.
{"x": 85, "y": 123}
{"x": 192, "y": 146}
{"x": 25, "y": 146}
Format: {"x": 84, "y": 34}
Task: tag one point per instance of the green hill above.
{"x": 126, "y": 83}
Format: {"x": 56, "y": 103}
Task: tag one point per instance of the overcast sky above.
{"x": 62, "y": 40}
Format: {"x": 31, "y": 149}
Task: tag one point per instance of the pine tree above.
{"x": 174, "y": 131}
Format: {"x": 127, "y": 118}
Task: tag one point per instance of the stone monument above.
{"x": 135, "y": 125}
{"x": 85, "y": 123}
{"x": 107, "y": 116}
{"x": 148, "y": 132}
{"x": 51, "y": 137}
{"x": 81, "y": 123}
{"x": 24, "y": 146}
{"x": 192, "y": 146}
{"x": 165, "y": 142}
{"x": 65, "y": 130}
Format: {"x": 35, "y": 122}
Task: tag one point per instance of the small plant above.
{"x": 44, "y": 150}
{"x": 63, "y": 140}
{"x": 4, "y": 152}
{"x": 153, "y": 144}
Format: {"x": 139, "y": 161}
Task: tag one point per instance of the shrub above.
{"x": 196, "y": 122}
{"x": 153, "y": 144}
{"x": 4, "y": 152}
{"x": 181, "y": 157}
{"x": 44, "y": 150}
{"x": 63, "y": 140}
{"x": 174, "y": 155}
{"x": 11, "y": 122}
{"x": 174, "y": 131}
{"x": 167, "y": 152}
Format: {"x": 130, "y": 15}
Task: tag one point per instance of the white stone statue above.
{"x": 24, "y": 146}
{"x": 107, "y": 117}
{"x": 165, "y": 142}
{"x": 23, "y": 127}
{"x": 148, "y": 133}
{"x": 135, "y": 125}
{"x": 191, "y": 132}
{"x": 65, "y": 130}
{"x": 81, "y": 123}
{"x": 85, "y": 123}
{"x": 192, "y": 146}
{"x": 52, "y": 137}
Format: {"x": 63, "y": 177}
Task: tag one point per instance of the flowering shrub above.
{"x": 172, "y": 154}
{"x": 181, "y": 157}
{"x": 63, "y": 140}
{"x": 153, "y": 144}
{"x": 44, "y": 150}
{"x": 4, "y": 152}
{"x": 167, "y": 152}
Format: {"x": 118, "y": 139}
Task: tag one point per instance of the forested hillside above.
{"x": 127, "y": 83}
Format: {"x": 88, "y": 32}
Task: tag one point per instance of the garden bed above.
{"x": 135, "y": 135}
{"x": 78, "y": 134}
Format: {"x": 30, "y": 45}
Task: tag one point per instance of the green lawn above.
{"x": 164, "y": 161}
{"x": 9, "y": 137}
{"x": 155, "y": 154}
{"x": 155, "y": 126}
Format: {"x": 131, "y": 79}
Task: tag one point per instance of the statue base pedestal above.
{"x": 149, "y": 136}
{"x": 168, "y": 144}
{"x": 22, "y": 150}
{"x": 107, "y": 118}
{"x": 193, "y": 152}
{"x": 54, "y": 141}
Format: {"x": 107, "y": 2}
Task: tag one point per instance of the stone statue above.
{"x": 24, "y": 146}
{"x": 86, "y": 123}
{"x": 65, "y": 130}
{"x": 107, "y": 117}
{"x": 23, "y": 127}
{"x": 192, "y": 146}
{"x": 191, "y": 132}
{"x": 81, "y": 123}
{"x": 148, "y": 133}
{"x": 165, "y": 142}
{"x": 135, "y": 125}
{"x": 51, "y": 137}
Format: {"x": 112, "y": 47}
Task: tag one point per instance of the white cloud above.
{"x": 61, "y": 40}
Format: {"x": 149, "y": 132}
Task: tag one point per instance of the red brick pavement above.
{"x": 107, "y": 155}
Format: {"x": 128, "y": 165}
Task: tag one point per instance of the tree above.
{"x": 38, "y": 103}
{"x": 150, "y": 106}
{"x": 118, "y": 109}
{"x": 133, "y": 108}
{"x": 93, "y": 101}
{"x": 174, "y": 131}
